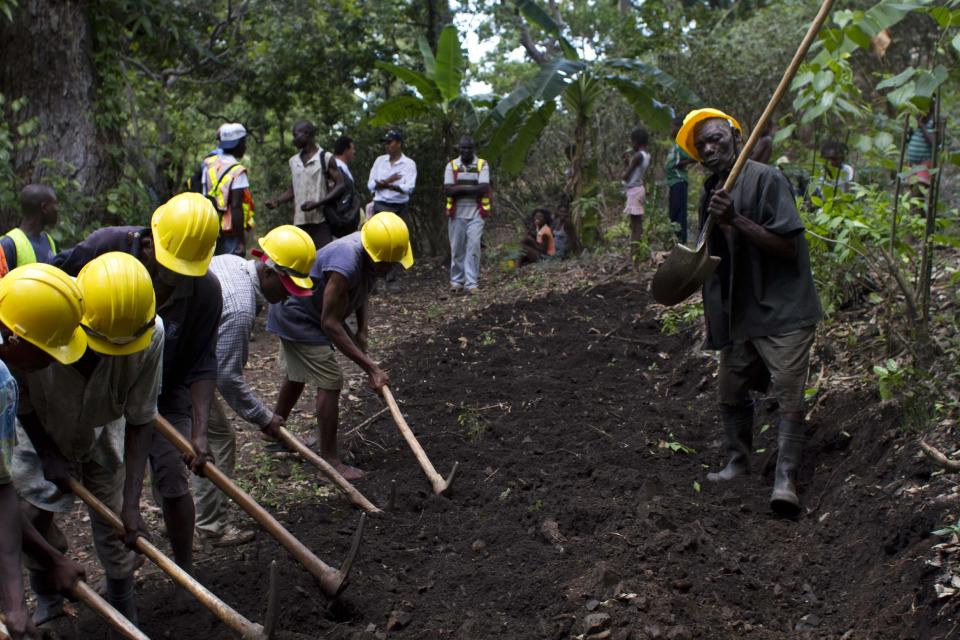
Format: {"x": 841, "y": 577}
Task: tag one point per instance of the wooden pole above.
{"x": 121, "y": 625}
{"x": 440, "y": 486}
{"x": 230, "y": 617}
{"x": 332, "y": 581}
{"x": 328, "y": 470}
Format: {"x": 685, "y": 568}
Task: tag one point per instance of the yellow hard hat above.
{"x": 119, "y": 306}
{"x": 290, "y": 251}
{"x": 43, "y": 305}
{"x": 386, "y": 239}
{"x": 185, "y": 233}
{"x": 685, "y": 135}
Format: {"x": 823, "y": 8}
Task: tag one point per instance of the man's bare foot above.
{"x": 349, "y": 473}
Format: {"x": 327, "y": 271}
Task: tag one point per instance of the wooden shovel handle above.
{"x": 331, "y": 580}
{"x": 774, "y": 101}
{"x": 221, "y": 609}
{"x": 328, "y": 470}
{"x": 121, "y": 625}
{"x": 435, "y": 478}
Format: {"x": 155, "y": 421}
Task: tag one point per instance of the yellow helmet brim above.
{"x": 685, "y": 138}
{"x": 68, "y": 353}
{"x": 193, "y": 268}
{"x": 110, "y": 349}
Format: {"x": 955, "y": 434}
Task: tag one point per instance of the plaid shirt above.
{"x": 241, "y": 297}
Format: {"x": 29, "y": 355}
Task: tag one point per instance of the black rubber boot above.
{"x": 120, "y": 595}
{"x": 784, "y": 500}
{"x": 49, "y": 602}
{"x": 738, "y": 434}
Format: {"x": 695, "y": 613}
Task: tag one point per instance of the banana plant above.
{"x": 438, "y": 93}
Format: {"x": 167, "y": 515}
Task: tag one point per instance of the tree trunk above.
{"x": 51, "y": 42}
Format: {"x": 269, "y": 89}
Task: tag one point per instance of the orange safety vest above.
{"x": 483, "y": 202}
{"x": 3, "y": 263}
{"x": 220, "y": 177}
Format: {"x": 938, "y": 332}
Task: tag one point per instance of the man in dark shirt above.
{"x": 309, "y": 328}
{"x": 177, "y": 253}
{"x": 761, "y": 306}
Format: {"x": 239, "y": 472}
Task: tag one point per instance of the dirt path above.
{"x": 581, "y": 508}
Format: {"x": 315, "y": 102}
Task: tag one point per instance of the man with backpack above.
{"x": 226, "y": 184}
{"x": 312, "y": 171}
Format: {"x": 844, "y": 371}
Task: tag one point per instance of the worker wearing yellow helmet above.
{"x": 176, "y": 251}
{"x": 40, "y": 312}
{"x": 280, "y": 269}
{"x": 760, "y": 305}
{"x": 91, "y": 420}
{"x": 343, "y": 273}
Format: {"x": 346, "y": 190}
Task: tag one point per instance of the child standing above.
{"x": 632, "y": 179}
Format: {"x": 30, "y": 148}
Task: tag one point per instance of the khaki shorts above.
{"x": 754, "y": 364}
{"x": 312, "y": 364}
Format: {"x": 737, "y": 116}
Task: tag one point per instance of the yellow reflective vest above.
{"x": 483, "y": 202}
{"x": 25, "y": 252}
{"x": 220, "y": 177}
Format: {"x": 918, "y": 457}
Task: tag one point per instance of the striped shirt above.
{"x": 918, "y": 149}
{"x": 241, "y": 299}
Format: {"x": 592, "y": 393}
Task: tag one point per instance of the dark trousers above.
{"x": 319, "y": 232}
{"x": 678, "y": 209}
{"x": 399, "y": 208}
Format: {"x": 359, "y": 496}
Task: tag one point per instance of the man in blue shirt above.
{"x": 29, "y": 242}
{"x": 309, "y": 328}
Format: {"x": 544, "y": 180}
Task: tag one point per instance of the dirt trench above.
{"x": 581, "y": 509}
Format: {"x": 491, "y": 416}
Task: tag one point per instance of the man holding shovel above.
{"x": 761, "y": 306}
{"x": 46, "y": 306}
{"x": 92, "y": 420}
{"x": 309, "y": 328}
{"x": 286, "y": 256}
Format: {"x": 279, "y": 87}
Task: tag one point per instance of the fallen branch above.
{"x": 367, "y": 421}
{"x": 939, "y": 458}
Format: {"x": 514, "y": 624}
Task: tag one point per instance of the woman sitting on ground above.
{"x": 538, "y": 243}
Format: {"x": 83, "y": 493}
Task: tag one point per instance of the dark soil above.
{"x": 564, "y": 413}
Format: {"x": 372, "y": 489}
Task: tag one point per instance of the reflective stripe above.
{"x": 220, "y": 177}
{"x": 483, "y": 202}
{"x": 25, "y": 252}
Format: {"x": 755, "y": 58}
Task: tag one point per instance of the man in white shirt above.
{"x": 316, "y": 179}
{"x": 393, "y": 177}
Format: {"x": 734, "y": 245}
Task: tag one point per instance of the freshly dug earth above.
{"x": 581, "y": 506}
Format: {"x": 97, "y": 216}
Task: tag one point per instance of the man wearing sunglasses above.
{"x": 282, "y": 269}
{"x": 91, "y": 420}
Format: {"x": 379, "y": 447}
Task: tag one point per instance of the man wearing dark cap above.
{"x": 393, "y": 177}
{"x": 760, "y": 305}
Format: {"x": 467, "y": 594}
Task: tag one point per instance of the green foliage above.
{"x": 948, "y": 530}
{"x": 677, "y": 319}
{"x": 891, "y": 378}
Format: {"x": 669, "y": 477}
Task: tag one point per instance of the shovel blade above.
{"x": 682, "y": 274}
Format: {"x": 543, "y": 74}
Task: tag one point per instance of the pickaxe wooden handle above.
{"x": 328, "y": 470}
{"x": 332, "y": 581}
{"x": 121, "y": 625}
{"x": 230, "y": 617}
{"x": 440, "y": 486}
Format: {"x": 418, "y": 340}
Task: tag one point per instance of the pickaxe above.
{"x": 357, "y": 498}
{"x": 441, "y": 487}
{"x": 332, "y": 581}
{"x": 243, "y": 627}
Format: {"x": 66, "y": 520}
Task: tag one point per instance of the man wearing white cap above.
{"x": 225, "y": 182}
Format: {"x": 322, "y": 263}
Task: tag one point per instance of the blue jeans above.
{"x": 465, "y": 250}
